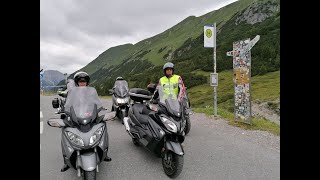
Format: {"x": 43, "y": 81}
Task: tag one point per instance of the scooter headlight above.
{"x": 169, "y": 124}
{"x": 96, "y": 136}
{"x": 122, "y": 100}
{"x": 75, "y": 139}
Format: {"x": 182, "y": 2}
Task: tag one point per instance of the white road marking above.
{"x": 41, "y": 124}
{"x": 41, "y": 127}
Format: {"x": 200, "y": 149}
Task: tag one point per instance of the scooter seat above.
{"x": 137, "y": 111}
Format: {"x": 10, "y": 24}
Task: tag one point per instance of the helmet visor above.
{"x": 82, "y": 80}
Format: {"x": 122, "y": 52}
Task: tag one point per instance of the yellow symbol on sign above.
{"x": 208, "y": 33}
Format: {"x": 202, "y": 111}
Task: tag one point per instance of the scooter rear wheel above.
{"x": 90, "y": 175}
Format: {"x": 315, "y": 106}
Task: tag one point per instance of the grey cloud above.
{"x": 74, "y": 32}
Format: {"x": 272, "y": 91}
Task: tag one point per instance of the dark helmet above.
{"x": 119, "y": 78}
{"x": 168, "y": 65}
{"x": 81, "y": 75}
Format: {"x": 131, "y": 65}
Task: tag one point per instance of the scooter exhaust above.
{"x": 126, "y": 124}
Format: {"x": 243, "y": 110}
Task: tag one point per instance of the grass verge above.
{"x": 257, "y": 123}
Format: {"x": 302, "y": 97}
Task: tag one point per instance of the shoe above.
{"x": 64, "y": 168}
{"x": 107, "y": 158}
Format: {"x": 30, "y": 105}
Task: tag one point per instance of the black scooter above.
{"x": 157, "y": 127}
{"x": 152, "y": 87}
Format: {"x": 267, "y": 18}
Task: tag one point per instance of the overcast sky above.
{"x": 74, "y": 32}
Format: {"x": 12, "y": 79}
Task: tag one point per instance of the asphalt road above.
{"x": 212, "y": 151}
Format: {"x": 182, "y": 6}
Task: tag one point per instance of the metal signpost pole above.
{"x": 215, "y": 70}
{"x": 210, "y": 34}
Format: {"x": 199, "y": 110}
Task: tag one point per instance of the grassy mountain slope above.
{"x": 108, "y": 58}
{"x": 169, "y": 40}
{"x": 264, "y": 88}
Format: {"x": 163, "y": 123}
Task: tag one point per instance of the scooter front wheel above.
{"x": 188, "y": 126}
{"x": 90, "y": 175}
{"x": 120, "y": 115}
{"x": 172, "y": 164}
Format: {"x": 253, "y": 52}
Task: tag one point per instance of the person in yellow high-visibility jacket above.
{"x": 173, "y": 86}
{"x": 172, "y": 83}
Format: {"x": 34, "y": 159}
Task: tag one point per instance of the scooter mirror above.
{"x": 63, "y": 94}
{"x": 109, "y": 115}
{"x": 53, "y": 122}
{"x": 110, "y": 91}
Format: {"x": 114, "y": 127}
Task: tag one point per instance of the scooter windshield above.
{"x": 121, "y": 88}
{"x": 83, "y": 104}
{"x": 70, "y": 84}
{"x": 169, "y": 98}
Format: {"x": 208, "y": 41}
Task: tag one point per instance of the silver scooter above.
{"x": 120, "y": 98}
{"x": 84, "y": 138}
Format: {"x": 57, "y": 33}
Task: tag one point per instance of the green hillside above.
{"x": 264, "y": 88}
{"x": 154, "y": 49}
{"x": 108, "y": 58}
{"x": 182, "y": 44}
